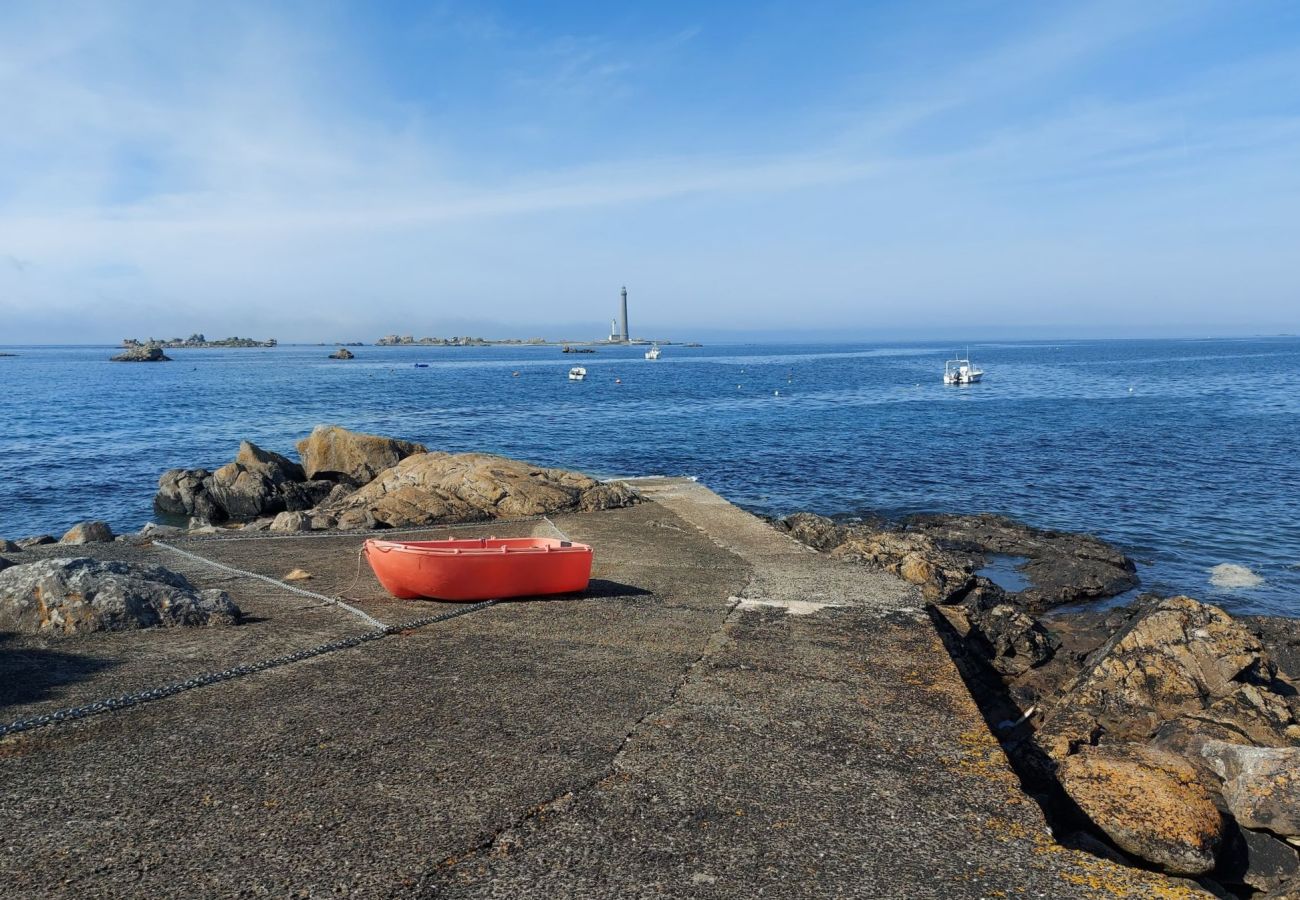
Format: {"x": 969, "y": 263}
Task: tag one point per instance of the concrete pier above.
{"x": 725, "y": 714}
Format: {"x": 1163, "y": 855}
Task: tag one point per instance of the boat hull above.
{"x": 482, "y": 569}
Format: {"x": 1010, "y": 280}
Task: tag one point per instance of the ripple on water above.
{"x": 1185, "y": 473}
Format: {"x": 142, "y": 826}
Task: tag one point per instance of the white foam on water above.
{"x": 1230, "y": 576}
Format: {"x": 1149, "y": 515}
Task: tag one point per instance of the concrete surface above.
{"x": 725, "y": 714}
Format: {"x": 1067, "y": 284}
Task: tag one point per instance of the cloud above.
{"x": 267, "y": 158}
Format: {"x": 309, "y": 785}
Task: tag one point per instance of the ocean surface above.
{"x": 1185, "y": 453}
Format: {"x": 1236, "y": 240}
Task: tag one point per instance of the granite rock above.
{"x": 332, "y": 452}
{"x": 430, "y": 488}
{"x": 1151, "y": 804}
{"x": 1177, "y": 657}
{"x": 76, "y": 595}
{"x": 93, "y": 532}
{"x": 1261, "y": 785}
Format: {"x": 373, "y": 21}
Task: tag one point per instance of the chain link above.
{"x": 126, "y": 701}
{"x": 381, "y": 630}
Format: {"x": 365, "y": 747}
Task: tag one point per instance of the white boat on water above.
{"x": 961, "y": 370}
{"x": 577, "y": 373}
{"x": 653, "y": 352}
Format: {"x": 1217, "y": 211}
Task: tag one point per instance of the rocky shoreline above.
{"x": 1164, "y": 733}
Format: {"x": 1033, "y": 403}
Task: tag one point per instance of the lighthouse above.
{"x": 624, "y": 336}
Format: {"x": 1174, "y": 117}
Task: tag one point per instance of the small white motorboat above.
{"x": 577, "y": 373}
{"x": 653, "y": 352}
{"x": 961, "y": 370}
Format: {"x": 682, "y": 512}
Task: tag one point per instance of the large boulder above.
{"x": 250, "y": 486}
{"x": 432, "y": 488}
{"x": 338, "y": 454}
{"x": 342, "y": 353}
{"x": 1261, "y": 785}
{"x": 1175, "y": 658}
{"x": 183, "y": 493}
{"x": 1149, "y": 803}
{"x": 94, "y": 532}
{"x": 9, "y": 546}
{"x": 257, "y": 483}
{"x": 68, "y": 596}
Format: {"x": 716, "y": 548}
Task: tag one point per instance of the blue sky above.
{"x": 319, "y": 171}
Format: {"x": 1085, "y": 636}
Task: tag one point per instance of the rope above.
{"x": 244, "y": 573}
{"x": 380, "y": 533}
{"x": 126, "y": 701}
{"x": 380, "y": 630}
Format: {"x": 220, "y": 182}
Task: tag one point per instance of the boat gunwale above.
{"x": 541, "y": 546}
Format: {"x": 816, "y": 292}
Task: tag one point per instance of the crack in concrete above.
{"x": 491, "y": 844}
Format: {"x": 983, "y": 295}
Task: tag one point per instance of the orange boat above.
{"x": 482, "y": 569}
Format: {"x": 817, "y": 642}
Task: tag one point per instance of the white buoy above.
{"x": 776, "y": 393}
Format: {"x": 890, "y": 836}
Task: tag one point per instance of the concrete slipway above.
{"x": 725, "y": 714}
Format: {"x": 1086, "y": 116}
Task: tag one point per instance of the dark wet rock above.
{"x": 251, "y": 485}
{"x": 430, "y": 488}
{"x": 1177, "y": 657}
{"x": 38, "y": 540}
{"x": 257, "y": 483}
{"x": 4, "y": 563}
{"x": 816, "y": 531}
{"x": 308, "y": 494}
{"x": 142, "y": 354}
{"x": 1062, "y": 567}
{"x": 1011, "y": 640}
{"x": 342, "y": 353}
{"x": 1261, "y": 785}
{"x": 1151, "y": 804}
{"x": 68, "y": 596}
{"x": 1259, "y": 862}
{"x": 183, "y": 493}
{"x": 94, "y": 532}
{"x": 336, "y": 453}
{"x": 9, "y": 547}
{"x": 943, "y": 553}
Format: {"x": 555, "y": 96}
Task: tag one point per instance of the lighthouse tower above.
{"x": 623, "y": 337}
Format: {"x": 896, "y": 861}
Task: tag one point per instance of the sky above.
{"x": 323, "y": 171}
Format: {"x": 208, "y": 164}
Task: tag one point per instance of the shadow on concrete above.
{"x": 597, "y": 589}
{"x": 29, "y": 674}
{"x": 1034, "y": 768}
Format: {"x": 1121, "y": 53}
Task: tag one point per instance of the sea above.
{"x": 1185, "y": 453}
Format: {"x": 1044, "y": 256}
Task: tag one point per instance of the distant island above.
{"x": 197, "y": 341}
{"x": 406, "y": 340}
{"x": 395, "y": 340}
{"x": 8, "y": 354}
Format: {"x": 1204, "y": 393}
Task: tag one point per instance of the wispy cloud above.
{"x": 263, "y": 159}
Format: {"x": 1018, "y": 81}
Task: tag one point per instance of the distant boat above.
{"x": 960, "y": 370}
{"x": 653, "y": 352}
{"x": 577, "y": 373}
{"x": 422, "y": 365}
